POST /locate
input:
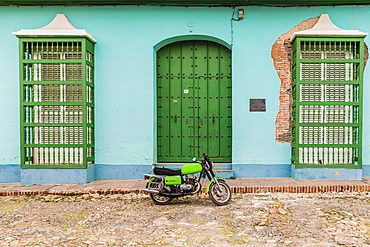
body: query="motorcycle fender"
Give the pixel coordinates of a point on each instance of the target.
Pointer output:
(151, 178)
(149, 183)
(213, 181)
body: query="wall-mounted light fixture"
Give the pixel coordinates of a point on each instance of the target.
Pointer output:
(240, 13)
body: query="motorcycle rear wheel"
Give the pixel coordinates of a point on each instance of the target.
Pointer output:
(220, 198)
(160, 199)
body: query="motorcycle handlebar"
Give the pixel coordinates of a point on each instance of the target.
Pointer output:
(206, 158)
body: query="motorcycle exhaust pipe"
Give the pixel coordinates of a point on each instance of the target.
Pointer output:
(151, 191)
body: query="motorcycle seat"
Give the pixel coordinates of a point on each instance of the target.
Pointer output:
(166, 171)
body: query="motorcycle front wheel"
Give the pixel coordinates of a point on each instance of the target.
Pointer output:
(219, 195)
(160, 199)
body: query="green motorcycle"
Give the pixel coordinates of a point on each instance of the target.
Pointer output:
(167, 184)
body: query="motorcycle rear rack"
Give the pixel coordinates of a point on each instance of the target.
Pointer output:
(148, 176)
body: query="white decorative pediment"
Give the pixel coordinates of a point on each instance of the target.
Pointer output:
(59, 27)
(324, 27)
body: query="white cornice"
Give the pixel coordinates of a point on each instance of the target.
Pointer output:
(59, 27)
(324, 27)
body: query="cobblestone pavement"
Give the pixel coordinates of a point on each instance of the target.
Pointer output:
(265, 219)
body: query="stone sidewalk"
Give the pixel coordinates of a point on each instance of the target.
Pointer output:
(242, 185)
(250, 219)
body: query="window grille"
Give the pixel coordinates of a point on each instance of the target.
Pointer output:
(57, 95)
(326, 108)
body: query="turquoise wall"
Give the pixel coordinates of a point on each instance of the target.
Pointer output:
(125, 82)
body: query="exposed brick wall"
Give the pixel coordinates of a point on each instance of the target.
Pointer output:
(366, 54)
(280, 54)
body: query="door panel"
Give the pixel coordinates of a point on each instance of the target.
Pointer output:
(187, 101)
(194, 101)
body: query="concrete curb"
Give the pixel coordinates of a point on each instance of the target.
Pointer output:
(302, 188)
(234, 189)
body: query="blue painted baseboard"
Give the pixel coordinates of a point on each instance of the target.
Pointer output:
(365, 170)
(57, 176)
(10, 173)
(121, 172)
(261, 170)
(326, 174)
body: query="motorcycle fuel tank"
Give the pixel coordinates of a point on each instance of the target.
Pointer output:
(191, 168)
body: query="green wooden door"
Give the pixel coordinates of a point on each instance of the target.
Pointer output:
(193, 101)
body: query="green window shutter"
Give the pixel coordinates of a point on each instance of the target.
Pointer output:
(57, 103)
(327, 102)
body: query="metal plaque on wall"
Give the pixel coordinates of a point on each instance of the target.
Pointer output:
(257, 104)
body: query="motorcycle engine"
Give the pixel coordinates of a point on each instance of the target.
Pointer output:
(186, 187)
